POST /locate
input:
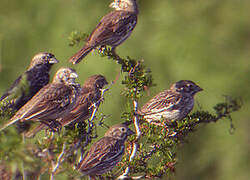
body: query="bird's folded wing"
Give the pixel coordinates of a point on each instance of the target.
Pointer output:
(50, 99)
(124, 19)
(80, 111)
(111, 26)
(164, 100)
(106, 149)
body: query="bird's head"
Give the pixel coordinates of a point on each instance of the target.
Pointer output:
(43, 58)
(186, 87)
(124, 5)
(65, 75)
(119, 131)
(98, 81)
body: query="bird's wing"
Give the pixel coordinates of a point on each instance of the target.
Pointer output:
(126, 19)
(163, 100)
(111, 27)
(19, 88)
(105, 151)
(79, 112)
(51, 99)
(81, 109)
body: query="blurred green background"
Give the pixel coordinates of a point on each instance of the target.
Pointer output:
(204, 41)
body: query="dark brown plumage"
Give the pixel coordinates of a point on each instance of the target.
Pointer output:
(30, 82)
(90, 94)
(106, 152)
(113, 29)
(170, 105)
(52, 101)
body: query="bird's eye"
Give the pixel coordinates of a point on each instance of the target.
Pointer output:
(123, 129)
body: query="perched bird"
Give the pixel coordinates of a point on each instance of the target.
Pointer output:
(112, 30)
(90, 94)
(52, 102)
(106, 152)
(171, 105)
(30, 82)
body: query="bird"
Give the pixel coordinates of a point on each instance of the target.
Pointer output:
(90, 94)
(170, 105)
(113, 29)
(104, 154)
(30, 82)
(51, 102)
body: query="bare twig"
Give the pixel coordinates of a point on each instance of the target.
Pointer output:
(23, 171)
(135, 145)
(58, 162)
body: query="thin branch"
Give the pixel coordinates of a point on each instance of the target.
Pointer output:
(23, 171)
(135, 144)
(58, 162)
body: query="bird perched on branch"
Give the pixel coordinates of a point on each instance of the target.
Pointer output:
(171, 105)
(52, 102)
(30, 82)
(90, 94)
(106, 152)
(112, 30)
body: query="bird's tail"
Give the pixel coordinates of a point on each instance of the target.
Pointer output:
(9, 123)
(80, 54)
(34, 131)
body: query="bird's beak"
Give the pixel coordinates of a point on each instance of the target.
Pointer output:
(130, 132)
(199, 89)
(73, 75)
(53, 61)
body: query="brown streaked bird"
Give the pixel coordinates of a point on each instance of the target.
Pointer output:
(171, 105)
(30, 82)
(113, 29)
(52, 102)
(104, 155)
(90, 94)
